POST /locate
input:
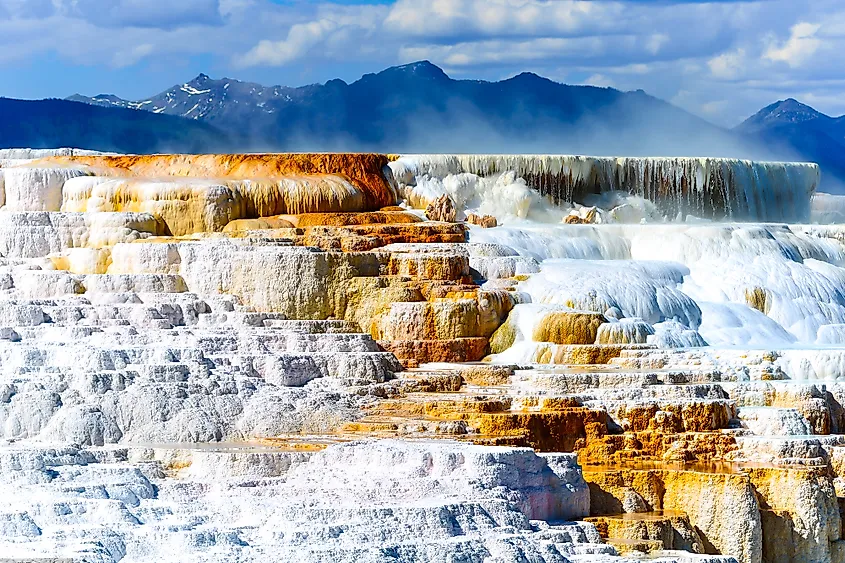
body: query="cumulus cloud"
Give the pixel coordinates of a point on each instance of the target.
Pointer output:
(728, 65)
(300, 40)
(496, 18)
(338, 32)
(800, 46)
(130, 56)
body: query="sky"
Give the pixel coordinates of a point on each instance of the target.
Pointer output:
(720, 60)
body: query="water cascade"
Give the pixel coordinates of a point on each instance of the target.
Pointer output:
(711, 188)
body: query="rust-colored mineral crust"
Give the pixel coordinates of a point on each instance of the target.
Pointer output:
(362, 169)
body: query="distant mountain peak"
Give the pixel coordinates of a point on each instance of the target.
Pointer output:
(109, 97)
(789, 110)
(531, 77)
(419, 69)
(800, 132)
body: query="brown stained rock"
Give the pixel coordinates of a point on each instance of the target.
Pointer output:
(660, 446)
(699, 494)
(487, 375)
(490, 419)
(626, 546)
(367, 298)
(429, 266)
(479, 314)
(558, 403)
(484, 221)
(358, 243)
(569, 328)
(680, 416)
(358, 238)
(453, 408)
(381, 217)
(442, 209)
(434, 382)
(575, 220)
(424, 351)
(672, 530)
(440, 320)
(635, 332)
(546, 431)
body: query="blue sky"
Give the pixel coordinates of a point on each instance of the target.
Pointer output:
(721, 60)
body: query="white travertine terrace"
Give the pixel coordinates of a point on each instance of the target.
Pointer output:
(171, 387)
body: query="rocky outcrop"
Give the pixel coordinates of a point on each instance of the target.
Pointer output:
(442, 209)
(484, 221)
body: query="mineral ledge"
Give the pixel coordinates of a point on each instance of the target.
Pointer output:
(279, 358)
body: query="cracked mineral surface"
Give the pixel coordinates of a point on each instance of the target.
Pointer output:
(281, 358)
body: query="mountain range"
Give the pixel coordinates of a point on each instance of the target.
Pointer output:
(61, 123)
(418, 108)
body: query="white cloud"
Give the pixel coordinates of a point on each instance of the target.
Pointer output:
(132, 55)
(655, 42)
(500, 51)
(301, 38)
(800, 46)
(496, 18)
(728, 65)
(337, 32)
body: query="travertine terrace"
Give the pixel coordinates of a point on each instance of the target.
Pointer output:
(279, 357)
